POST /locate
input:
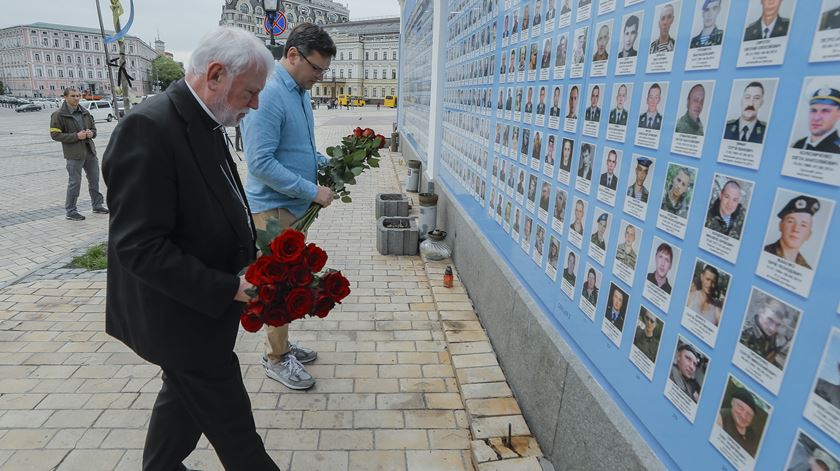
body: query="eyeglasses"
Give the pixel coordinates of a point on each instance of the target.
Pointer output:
(318, 70)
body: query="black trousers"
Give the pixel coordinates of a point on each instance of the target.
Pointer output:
(212, 402)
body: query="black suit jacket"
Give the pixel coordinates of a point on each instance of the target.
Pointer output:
(755, 31)
(613, 183)
(178, 235)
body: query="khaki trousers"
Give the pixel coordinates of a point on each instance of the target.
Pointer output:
(276, 338)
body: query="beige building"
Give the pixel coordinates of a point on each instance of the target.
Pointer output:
(367, 61)
(249, 14)
(41, 59)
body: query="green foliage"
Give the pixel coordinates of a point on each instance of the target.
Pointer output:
(166, 70)
(94, 258)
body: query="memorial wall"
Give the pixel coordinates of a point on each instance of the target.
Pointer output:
(662, 178)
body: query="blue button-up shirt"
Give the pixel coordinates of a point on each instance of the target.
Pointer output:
(279, 140)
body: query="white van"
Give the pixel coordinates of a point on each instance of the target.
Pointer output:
(101, 110)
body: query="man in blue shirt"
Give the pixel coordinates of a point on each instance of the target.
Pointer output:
(282, 169)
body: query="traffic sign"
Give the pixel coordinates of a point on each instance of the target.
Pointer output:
(278, 26)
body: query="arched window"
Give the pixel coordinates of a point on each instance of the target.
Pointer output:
(243, 7)
(57, 59)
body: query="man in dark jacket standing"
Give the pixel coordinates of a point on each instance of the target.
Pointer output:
(180, 232)
(73, 127)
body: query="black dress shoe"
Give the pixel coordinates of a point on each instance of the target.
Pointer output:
(75, 217)
(102, 210)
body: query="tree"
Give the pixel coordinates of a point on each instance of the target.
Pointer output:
(166, 71)
(2, 88)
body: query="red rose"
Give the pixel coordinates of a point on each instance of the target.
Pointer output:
(267, 293)
(323, 306)
(276, 272)
(357, 132)
(299, 302)
(336, 286)
(288, 246)
(276, 315)
(315, 257)
(381, 140)
(250, 322)
(368, 133)
(257, 272)
(300, 275)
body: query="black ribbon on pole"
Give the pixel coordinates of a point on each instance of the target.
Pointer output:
(122, 73)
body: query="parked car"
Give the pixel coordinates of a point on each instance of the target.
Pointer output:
(101, 110)
(28, 107)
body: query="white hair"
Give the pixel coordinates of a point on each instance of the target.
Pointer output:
(235, 48)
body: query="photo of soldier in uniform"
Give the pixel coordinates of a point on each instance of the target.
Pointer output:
(554, 111)
(629, 36)
(688, 370)
(826, 42)
(615, 311)
(662, 40)
(808, 455)
(618, 115)
(814, 146)
(574, 94)
(652, 118)
(740, 424)
(585, 164)
(602, 43)
(823, 405)
(770, 23)
(823, 115)
(638, 190)
(830, 16)
(796, 221)
(729, 200)
(566, 152)
(707, 292)
(559, 208)
(747, 127)
(710, 34)
(560, 55)
(627, 251)
(593, 111)
(690, 122)
(570, 270)
(768, 331)
(599, 233)
(679, 185)
(589, 292)
(580, 212)
(648, 333)
(662, 260)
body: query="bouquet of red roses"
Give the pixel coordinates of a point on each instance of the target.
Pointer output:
(288, 282)
(358, 152)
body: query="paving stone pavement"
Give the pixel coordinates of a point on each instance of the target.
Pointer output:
(387, 395)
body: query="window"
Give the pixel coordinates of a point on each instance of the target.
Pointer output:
(87, 45)
(37, 57)
(90, 74)
(384, 74)
(376, 56)
(131, 49)
(49, 73)
(350, 55)
(88, 61)
(366, 73)
(341, 73)
(341, 90)
(367, 55)
(48, 58)
(45, 42)
(95, 46)
(383, 91)
(349, 90)
(375, 73)
(243, 7)
(39, 72)
(393, 91)
(132, 63)
(341, 56)
(78, 59)
(60, 73)
(76, 43)
(99, 74)
(393, 55)
(374, 92)
(70, 73)
(67, 43)
(393, 74)
(367, 92)
(317, 91)
(55, 42)
(98, 61)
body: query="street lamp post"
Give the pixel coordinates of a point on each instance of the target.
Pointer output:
(270, 7)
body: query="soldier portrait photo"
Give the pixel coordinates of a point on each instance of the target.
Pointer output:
(566, 150)
(638, 191)
(827, 385)
(589, 292)
(616, 309)
(679, 186)
(710, 34)
(570, 270)
(823, 115)
(629, 36)
(627, 251)
(742, 416)
(797, 217)
(728, 203)
(600, 230)
(808, 455)
(560, 205)
(690, 122)
(593, 111)
(830, 16)
(602, 42)
(769, 328)
(651, 118)
(766, 20)
(648, 333)
(688, 369)
(662, 258)
(585, 164)
(618, 114)
(580, 211)
(747, 125)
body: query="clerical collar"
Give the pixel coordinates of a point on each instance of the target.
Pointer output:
(203, 106)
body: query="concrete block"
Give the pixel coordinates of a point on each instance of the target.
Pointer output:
(391, 205)
(401, 240)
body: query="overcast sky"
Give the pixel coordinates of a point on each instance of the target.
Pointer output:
(180, 22)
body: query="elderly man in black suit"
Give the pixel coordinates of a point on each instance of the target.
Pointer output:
(180, 232)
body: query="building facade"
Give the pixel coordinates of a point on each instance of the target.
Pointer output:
(41, 59)
(367, 60)
(249, 14)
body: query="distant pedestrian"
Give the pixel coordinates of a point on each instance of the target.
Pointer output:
(73, 126)
(377, 107)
